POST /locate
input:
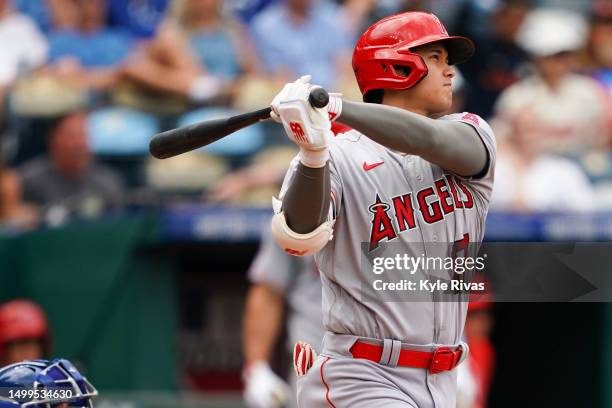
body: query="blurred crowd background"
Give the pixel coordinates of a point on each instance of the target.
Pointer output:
(85, 84)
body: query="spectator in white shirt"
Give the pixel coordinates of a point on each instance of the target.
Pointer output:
(23, 47)
(570, 110)
(529, 179)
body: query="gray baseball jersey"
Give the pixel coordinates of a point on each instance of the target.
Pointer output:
(384, 203)
(300, 281)
(383, 196)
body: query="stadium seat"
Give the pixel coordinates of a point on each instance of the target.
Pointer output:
(119, 131)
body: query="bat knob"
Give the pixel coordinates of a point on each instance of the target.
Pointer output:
(318, 98)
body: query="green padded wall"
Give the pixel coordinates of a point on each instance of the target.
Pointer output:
(112, 304)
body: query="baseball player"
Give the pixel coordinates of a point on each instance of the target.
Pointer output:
(277, 278)
(404, 177)
(24, 332)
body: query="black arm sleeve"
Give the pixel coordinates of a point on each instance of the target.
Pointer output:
(306, 202)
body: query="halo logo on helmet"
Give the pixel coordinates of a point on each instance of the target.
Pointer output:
(383, 59)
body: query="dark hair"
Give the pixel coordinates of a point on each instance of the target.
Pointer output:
(374, 96)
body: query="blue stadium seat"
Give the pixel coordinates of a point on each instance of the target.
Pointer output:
(242, 143)
(119, 131)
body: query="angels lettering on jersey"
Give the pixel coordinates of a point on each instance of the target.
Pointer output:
(449, 193)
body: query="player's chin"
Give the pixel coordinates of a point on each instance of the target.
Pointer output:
(444, 103)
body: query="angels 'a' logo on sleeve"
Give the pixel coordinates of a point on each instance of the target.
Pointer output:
(471, 118)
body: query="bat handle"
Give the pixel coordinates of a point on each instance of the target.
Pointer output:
(318, 98)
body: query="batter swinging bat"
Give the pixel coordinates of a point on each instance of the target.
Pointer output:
(184, 139)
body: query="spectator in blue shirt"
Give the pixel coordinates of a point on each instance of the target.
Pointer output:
(140, 17)
(89, 54)
(198, 53)
(92, 43)
(37, 10)
(246, 10)
(298, 37)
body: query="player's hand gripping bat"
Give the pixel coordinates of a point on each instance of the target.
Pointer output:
(184, 139)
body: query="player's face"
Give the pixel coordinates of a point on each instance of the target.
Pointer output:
(26, 349)
(436, 88)
(433, 95)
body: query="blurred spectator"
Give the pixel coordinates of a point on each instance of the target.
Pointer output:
(140, 17)
(599, 50)
(569, 110)
(15, 215)
(256, 183)
(372, 11)
(498, 60)
(68, 181)
(299, 37)
(49, 14)
(23, 46)
(246, 10)
(86, 52)
(529, 179)
(221, 46)
(24, 332)
(38, 10)
(198, 54)
(63, 14)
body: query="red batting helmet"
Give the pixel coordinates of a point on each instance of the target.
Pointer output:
(22, 319)
(383, 58)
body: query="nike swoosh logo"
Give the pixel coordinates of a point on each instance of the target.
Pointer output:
(368, 167)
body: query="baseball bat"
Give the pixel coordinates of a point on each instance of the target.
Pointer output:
(184, 139)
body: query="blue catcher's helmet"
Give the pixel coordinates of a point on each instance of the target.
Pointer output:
(44, 384)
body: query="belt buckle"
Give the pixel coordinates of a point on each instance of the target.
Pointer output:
(443, 359)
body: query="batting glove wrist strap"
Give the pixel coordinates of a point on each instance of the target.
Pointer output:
(314, 158)
(334, 107)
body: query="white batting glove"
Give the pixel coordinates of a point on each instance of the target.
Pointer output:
(263, 388)
(333, 108)
(308, 127)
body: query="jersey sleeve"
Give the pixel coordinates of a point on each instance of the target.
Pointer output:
(482, 183)
(336, 185)
(336, 192)
(271, 266)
